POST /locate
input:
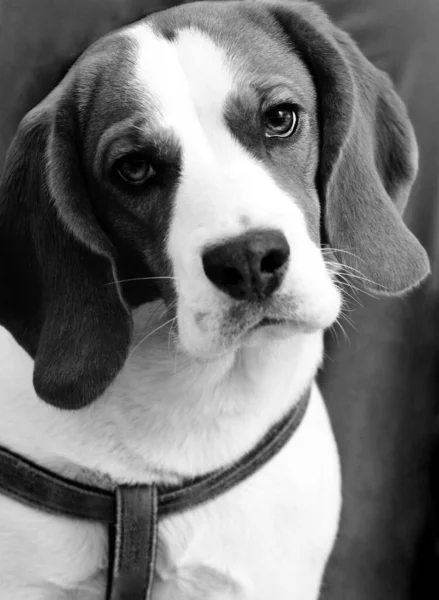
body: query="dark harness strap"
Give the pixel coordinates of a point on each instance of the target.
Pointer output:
(135, 543)
(132, 512)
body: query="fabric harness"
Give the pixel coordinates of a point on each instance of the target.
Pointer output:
(132, 513)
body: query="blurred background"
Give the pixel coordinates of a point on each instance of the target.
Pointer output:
(381, 381)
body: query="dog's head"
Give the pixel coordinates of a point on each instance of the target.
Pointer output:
(203, 153)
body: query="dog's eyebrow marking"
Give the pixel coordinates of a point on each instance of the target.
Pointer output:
(108, 137)
(128, 135)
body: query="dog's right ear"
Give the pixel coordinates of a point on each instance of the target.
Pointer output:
(368, 153)
(56, 262)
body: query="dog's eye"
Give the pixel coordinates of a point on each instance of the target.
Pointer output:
(134, 169)
(280, 120)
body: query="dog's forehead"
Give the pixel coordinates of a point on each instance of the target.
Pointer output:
(198, 54)
(246, 35)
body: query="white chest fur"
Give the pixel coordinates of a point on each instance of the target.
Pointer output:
(268, 538)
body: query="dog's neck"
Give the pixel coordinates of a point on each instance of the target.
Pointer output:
(164, 417)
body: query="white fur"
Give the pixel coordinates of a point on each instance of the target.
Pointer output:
(173, 412)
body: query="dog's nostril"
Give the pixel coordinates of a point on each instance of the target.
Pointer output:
(249, 267)
(274, 260)
(223, 276)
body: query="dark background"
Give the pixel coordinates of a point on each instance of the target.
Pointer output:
(381, 385)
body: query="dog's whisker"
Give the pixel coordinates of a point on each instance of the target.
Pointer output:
(344, 279)
(342, 270)
(361, 291)
(327, 356)
(347, 283)
(151, 317)
(365, 279)
(358, 274)
(348, 310)
(344, 315)
(172, 347)
(150, 334)
(354, 298)
(172, 305)
(334, 332)
(342, 288)
(140, 279)
(330, 249)
(345, 335)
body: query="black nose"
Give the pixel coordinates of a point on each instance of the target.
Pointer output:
(248, 267)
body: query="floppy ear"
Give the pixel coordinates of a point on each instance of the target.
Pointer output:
(368, 158)
(56, 262)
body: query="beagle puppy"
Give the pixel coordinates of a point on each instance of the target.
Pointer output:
(172, 219)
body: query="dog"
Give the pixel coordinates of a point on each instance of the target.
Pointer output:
(174, 219)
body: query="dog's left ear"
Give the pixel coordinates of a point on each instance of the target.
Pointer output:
(368, 157)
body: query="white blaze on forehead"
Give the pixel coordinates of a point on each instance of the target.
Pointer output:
(187, 79)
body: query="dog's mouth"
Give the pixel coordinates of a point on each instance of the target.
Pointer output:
(280, 326)
(268, 321)
(276, 319)
(271, 322)
(277, 327)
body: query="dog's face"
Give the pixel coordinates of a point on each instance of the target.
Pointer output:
(202, 153)
(211, 170)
